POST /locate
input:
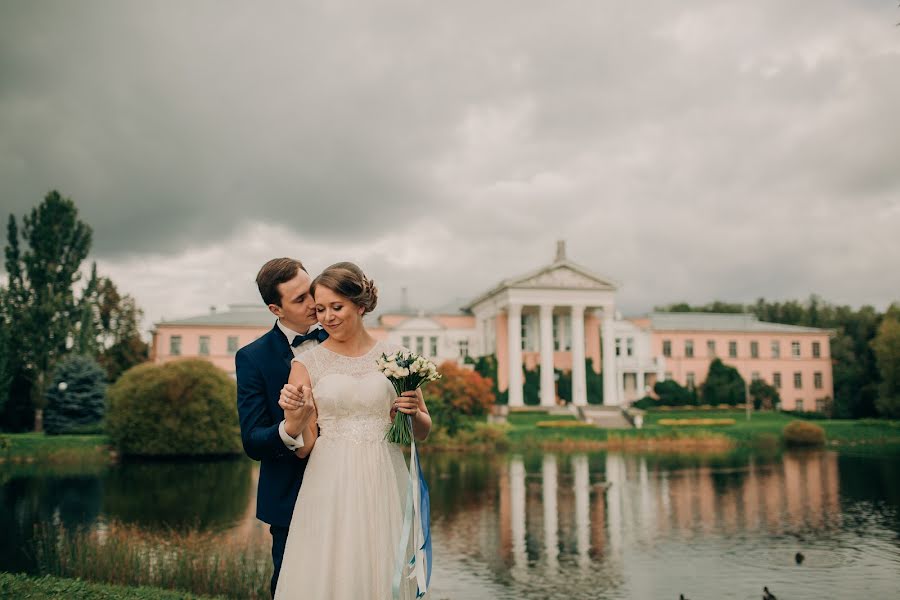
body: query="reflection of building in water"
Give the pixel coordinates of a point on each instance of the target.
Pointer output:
(555, 510)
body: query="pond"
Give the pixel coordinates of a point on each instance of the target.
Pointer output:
(550, 525)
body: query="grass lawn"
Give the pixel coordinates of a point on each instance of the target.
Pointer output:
(45, 588)
(15, 447)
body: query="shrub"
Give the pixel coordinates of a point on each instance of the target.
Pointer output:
(459, 392)
(670, 393)
(645, 403)
(723, 385)
(802, 433)
(76, 399)
(181, 408)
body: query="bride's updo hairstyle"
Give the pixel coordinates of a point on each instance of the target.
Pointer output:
(348, 280)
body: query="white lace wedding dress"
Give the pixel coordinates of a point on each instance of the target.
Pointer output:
(348, 518)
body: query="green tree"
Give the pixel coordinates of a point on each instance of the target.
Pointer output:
(6, 353)
(76, 400)
(764, 396)
(109, 327)
(887, 352)
(723, 385)
(670, 393)
(40, 298)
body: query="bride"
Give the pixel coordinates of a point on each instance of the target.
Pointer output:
(347, 522)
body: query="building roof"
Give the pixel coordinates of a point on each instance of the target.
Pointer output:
(562, 273)
(695, 321)
(237, 315)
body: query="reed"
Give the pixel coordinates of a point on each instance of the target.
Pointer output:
(198, 562)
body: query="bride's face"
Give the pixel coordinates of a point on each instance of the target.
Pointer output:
(339, 316)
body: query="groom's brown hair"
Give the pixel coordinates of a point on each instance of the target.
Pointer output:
(274, 273)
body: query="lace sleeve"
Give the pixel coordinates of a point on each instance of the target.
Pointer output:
(310, 360)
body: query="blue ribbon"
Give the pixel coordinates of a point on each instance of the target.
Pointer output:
(418, 501)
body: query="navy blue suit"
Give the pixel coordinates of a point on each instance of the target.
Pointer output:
(262, 368)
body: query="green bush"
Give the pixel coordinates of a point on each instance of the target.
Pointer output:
(76, 399)
(803, 433)
(57, 588)
(181, 408)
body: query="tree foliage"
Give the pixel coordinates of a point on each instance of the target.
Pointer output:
(887, 354)
(670, 393)
(723, 385)
(458, 392)
(43, 319)
(764, 396)
(76, 398)
(181, 408)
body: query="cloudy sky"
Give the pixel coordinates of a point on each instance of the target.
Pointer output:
(692, 150)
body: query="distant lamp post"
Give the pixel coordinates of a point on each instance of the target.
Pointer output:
(63, 386)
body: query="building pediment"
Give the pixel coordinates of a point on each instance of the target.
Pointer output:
(418, 324)
(564, 276)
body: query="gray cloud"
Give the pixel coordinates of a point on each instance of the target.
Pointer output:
(694, 150)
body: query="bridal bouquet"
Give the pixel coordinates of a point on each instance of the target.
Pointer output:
(406, 372)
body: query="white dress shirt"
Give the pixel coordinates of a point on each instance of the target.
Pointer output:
(297, 442)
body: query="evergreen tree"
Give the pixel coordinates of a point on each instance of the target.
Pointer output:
(40, 303)
(670, 393)
(723, 385)
(764, 396)
(76, 399)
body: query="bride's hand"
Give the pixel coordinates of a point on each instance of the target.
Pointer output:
(301, 411)
(289, 399)
(407, 402)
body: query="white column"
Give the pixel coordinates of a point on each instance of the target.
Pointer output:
(579, 376)
(639, 383)
(610, 378)
(517, 511)
(514, 333)
(551, 512)
(582, 486)
(548, 389)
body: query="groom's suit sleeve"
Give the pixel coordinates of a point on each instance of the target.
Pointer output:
(259, 434)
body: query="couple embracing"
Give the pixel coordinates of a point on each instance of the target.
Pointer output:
(314, 409)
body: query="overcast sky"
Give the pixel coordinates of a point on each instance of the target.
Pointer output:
(693, 150)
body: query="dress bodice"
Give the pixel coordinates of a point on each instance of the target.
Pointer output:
(353, 397)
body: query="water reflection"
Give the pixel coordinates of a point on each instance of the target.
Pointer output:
(584, 525)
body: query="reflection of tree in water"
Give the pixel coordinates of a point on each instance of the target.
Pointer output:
(872, 482)
(458, 482)
(160, 495)
(36, 499)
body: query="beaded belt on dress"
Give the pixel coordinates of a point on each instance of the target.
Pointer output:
(355, 429)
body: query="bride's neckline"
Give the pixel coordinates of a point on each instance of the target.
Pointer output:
(363, 355)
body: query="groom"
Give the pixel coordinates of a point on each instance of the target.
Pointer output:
(262, 368)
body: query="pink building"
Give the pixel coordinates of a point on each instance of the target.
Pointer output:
(558, 316)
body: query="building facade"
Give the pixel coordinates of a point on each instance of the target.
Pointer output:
(561, 317)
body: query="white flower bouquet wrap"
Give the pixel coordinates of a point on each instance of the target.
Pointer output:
(406, 372)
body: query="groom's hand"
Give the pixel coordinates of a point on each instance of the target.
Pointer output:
(300, 412)
(289, 399)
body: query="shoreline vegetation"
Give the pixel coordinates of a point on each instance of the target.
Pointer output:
(663, 431)
(20, 585)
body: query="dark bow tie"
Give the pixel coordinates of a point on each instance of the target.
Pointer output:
(318, 334)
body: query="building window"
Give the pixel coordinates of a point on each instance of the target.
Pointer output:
(821, 405)
(667, 347)
(567, 328)
(232, 344)
(690, 380)
(795, 349)
(776, 349)
(798, 380)
(817, 380)
(463, 349)
(817, 350)
(433, 343)
(798, 405)
(629, 346)
(420, 345)
(732, 349)
(668, 375)
(204, 345)
(776, 380)
(618, 346)
(689, 348)
(405, 341)
(754, 376)
(754, 349)
(175, 345)
(710, 348)
(525, 332)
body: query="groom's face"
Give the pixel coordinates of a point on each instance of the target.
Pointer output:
(298, 309)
